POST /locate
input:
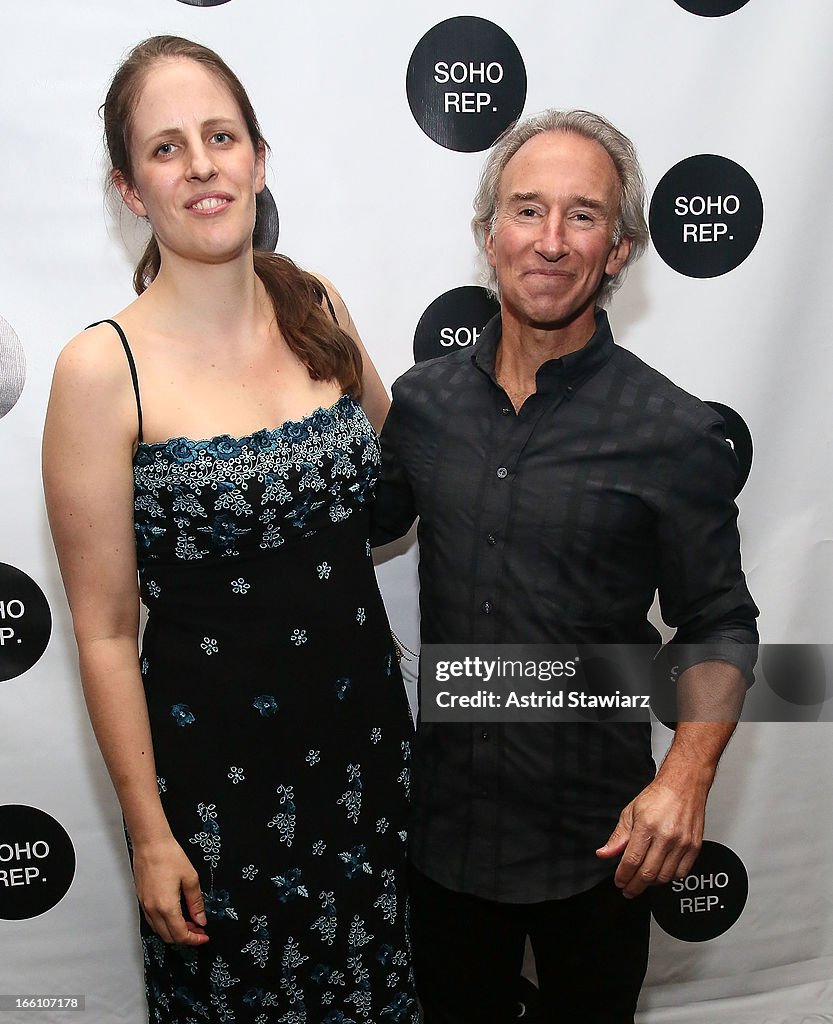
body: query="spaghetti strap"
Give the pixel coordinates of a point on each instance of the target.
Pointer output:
(132, 364)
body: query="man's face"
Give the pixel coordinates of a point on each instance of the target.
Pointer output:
(558, 200)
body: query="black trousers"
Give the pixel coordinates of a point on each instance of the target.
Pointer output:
(591, 954)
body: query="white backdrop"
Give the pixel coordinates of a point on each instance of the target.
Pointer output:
(366, 198)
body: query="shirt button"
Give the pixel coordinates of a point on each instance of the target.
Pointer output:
(486, 607)
(491, 540)
(485, 734)
(502, 472)
(569, 389)
(505, 410)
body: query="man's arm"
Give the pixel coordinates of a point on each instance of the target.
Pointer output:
(703, 593)
(660, 832)
(394, 510)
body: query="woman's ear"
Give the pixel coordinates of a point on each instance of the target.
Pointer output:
(260, 167)
(130, 195)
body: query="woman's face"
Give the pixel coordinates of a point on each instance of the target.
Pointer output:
(195, 171)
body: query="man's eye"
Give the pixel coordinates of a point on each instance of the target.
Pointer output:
(221, 137)
(165, 149)
(527, 211)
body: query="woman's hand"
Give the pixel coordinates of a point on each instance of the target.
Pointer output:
(165, 880)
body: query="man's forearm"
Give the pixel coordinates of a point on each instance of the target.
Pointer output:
(709, 701)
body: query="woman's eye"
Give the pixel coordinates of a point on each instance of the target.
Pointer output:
(221, 137)
(165, 149)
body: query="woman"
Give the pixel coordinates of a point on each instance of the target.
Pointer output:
(259, 743)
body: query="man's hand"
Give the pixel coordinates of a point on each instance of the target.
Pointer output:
(658, 834)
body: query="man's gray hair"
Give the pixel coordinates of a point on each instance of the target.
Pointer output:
(630, 222)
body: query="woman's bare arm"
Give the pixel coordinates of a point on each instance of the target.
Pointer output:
(88, 445)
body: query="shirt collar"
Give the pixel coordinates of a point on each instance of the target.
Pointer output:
(573, 368)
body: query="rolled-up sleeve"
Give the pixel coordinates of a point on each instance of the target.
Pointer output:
(702, 589)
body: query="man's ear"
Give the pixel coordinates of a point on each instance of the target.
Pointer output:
(618, 257)
(130, 195)
(489, 245)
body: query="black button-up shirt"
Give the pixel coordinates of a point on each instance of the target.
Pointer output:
(555, 525)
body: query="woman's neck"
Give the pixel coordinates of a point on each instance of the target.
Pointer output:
(221, 301)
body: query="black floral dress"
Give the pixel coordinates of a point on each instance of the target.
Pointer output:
(280, 726)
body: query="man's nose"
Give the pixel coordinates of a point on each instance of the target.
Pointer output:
(552, 240)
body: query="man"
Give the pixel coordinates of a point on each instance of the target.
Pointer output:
(560, 482)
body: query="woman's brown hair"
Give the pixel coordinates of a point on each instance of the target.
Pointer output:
(328, 352)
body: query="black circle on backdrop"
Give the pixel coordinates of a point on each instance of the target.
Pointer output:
(37, 862)
(708, 901)
(796, 673)
(706, 216)
(203, 3)
(453, 321)
(739, 437)
(12, 367)
(267, 223)
(711, 8)
(25, 622)
(466, 83)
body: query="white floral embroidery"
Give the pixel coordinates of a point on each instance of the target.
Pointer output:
(375, 734)
(236, 775)
(209, 645)
(240, 586)
(153, 588)
(352, 797)
(284, 820)
(360, 616)
(313, 757)
(209, 839)
(324, 570)
(299, 636)
(258, 947)
(249, 872)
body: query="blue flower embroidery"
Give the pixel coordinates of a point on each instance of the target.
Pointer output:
(289, 886)
(354, 861)
(399, 1009)
(181, 449)
(183, 715)
(322, 419)
(146, 533)
(343, 687)
(296, 431)
(225, 447)
(217, 905)
(266, 705)
(261, 441)
(224, 531)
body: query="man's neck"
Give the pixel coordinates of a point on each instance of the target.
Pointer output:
(524, 348)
